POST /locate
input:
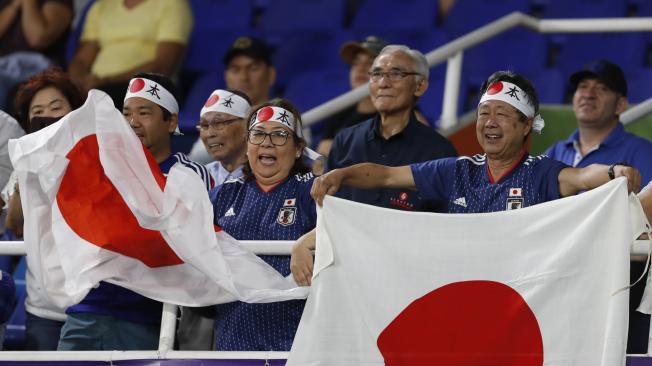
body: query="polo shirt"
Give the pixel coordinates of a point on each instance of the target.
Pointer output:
(220, 174)
(364, 143)
(619, 146)
(465, 185)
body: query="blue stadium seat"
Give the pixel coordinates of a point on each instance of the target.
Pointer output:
(206, 47)
(312, 88)
(234, 15)
(583, 8)
(639, 85)
(625, 49)
(200, 91)
(15, 333)
(519, 50)
(291, 16)
(467, 15)
(550, 85)
(308, 51)
(431, 102)
(75, 33)
(381, 16)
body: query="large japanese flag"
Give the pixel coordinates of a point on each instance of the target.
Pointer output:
(530, 287)
(98, 208)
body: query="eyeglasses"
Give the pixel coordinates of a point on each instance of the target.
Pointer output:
(278, 138)
(392, 75)
(216, 125)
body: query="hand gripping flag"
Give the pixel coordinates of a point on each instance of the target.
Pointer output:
(97, 208)
(537, 286)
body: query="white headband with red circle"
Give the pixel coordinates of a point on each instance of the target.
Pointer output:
(517, 98)
(276, 114)
(226, 102)
(286, 118)
(155, 93)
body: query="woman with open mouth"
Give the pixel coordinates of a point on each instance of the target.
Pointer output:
(270, 202)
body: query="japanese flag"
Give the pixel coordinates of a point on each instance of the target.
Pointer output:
(396, 288)
(98, 208)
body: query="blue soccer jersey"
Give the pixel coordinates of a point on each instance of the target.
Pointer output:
(247, 212)
(113, 300)
(465, 185)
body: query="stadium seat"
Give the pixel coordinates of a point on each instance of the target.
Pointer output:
(234, 15)
(639, 84)
(550, 85)
(291, 16)
(382, 16)
(468, 15)
(582, 8)
(312, 88)
(625, 49)
(75, 33)
(201, 89)
(431, 102)
(519, 50)
(308, 51)
(15, 333)
(206, 47)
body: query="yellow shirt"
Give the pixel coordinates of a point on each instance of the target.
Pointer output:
(129, 37)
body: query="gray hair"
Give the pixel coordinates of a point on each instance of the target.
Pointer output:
(419, 60)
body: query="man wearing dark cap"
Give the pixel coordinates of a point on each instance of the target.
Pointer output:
(360, 55)
(249, 68)
(599, 99)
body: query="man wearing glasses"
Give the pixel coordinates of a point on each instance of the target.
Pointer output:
(223, 130)
(394, 137)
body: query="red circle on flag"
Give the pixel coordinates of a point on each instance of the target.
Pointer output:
(495, 88)
(464, 324)
(212, 100)
(514, 191)
(94, 209)
(265, 113)
(137, 85)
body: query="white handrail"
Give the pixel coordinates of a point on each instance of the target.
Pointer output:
(479, 35)
(639, 250)
(136, 355)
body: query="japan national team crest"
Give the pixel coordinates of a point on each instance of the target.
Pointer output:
(515, 199)
(287, 213)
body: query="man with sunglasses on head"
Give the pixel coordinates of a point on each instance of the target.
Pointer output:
(394, 137)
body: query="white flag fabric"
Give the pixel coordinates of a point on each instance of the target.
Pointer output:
(536, 286)
(98, 208)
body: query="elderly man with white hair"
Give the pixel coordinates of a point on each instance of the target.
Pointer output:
(223, 130)
(394, 137)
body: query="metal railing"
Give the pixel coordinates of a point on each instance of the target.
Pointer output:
(452, 52)
(639, 251)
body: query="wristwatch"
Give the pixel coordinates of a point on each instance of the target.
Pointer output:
(611, 172)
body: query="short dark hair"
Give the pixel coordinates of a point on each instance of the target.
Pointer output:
(53, 77)
(166, 82)
(299, 167)
(518, 80)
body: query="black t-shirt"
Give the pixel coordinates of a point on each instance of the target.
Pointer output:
(13, 39)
